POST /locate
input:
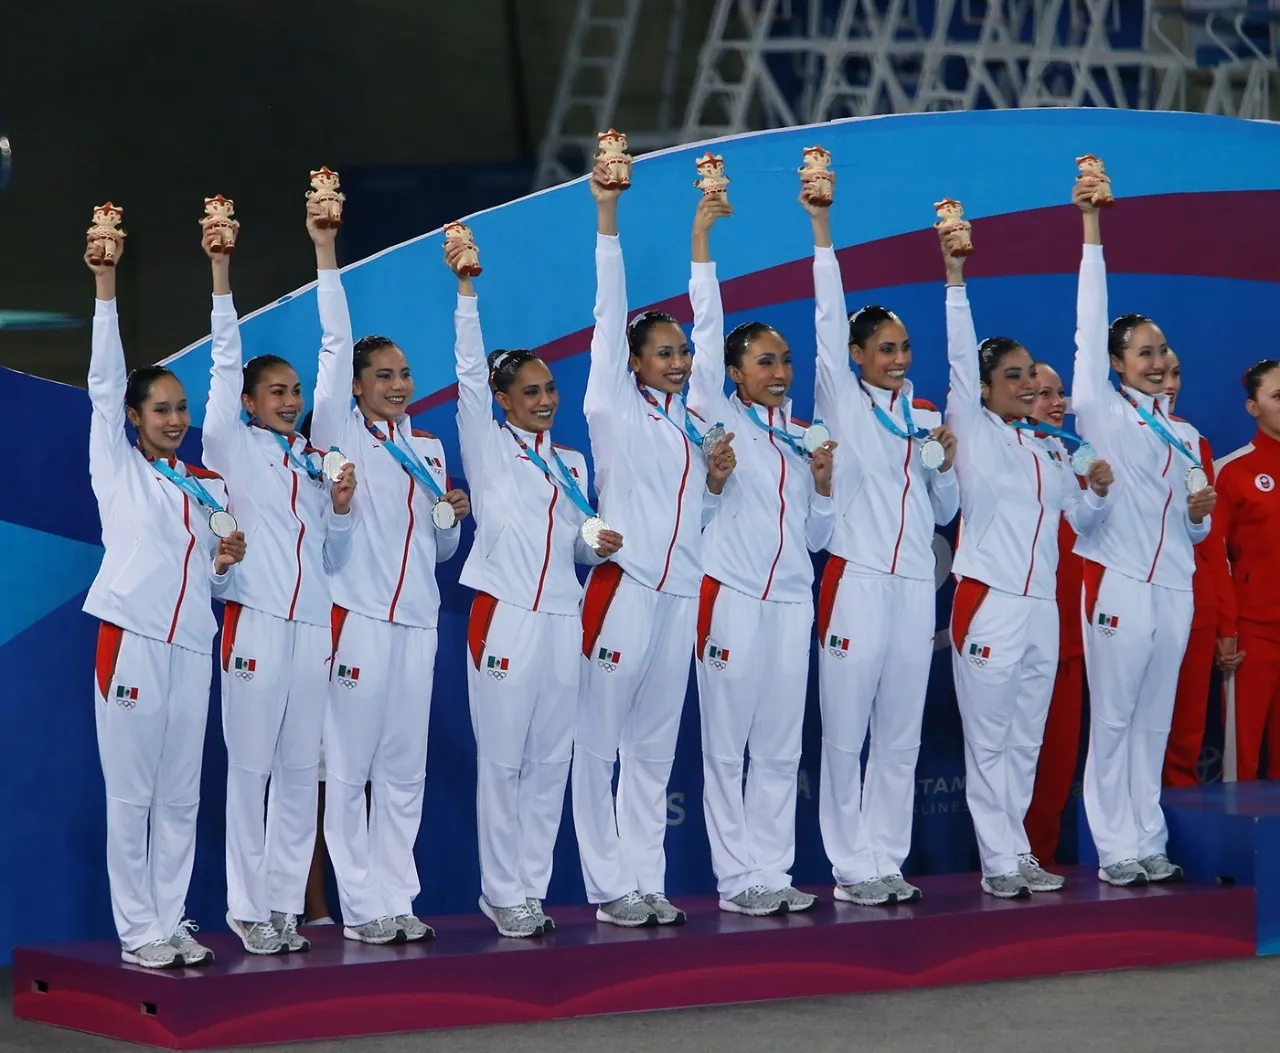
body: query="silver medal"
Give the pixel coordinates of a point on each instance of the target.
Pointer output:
(332, 464)
(1197, 480)
(591, 531)
(932, 454)
(814, 436)
(222, 523)
(713, 435)
(1083, 459)
(443, 515)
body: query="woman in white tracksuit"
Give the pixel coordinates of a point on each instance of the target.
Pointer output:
(386, 602)
(163, 560)
(276, 638)
(1137, 600)
(876, 605)
(755, 612)
(524, 637)
(657, 484)
(1015, 483)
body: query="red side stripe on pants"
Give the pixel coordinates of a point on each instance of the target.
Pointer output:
(104, 662)
(969, 596)
(1092, 586)
(831, 575)
(230, 622)
(706, 604)
(482, 611)
(602, 586)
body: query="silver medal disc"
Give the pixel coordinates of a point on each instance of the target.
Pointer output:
(1082, 460)
(332, 465)
(814, 436)
(713, 435)
(932, 454)
(591, 530)
(443, 515)
(222, 523)
(1197, 480)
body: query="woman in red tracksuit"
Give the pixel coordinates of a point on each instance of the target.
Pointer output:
(1248, 518)
(1212, 637)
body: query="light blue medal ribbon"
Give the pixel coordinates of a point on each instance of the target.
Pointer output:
(713, 435)
(408, 459)
(304, 463)
(1081, 459)
(1197, 478)
(221, 522)
(797, 446)
(932, 453)
(563, 479)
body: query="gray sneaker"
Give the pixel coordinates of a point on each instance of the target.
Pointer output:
(668, 913)
(517, 922)
(873, 893)
(287, 926)
(535, 905)
(902, 889)
(413, 927)
(1039, 879)
(191, 952)
(757, 901)
(158, 954)
(1124, 874)
(258, 937)
(1007, 886)
(380, 930)
(1159, 868)
(630, 911)
(796, 900)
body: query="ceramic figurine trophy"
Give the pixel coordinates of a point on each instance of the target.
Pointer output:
(815, 175)
(611, 148)
(1094, 173)
(105, 235)
(324, 189)
(469, 261)
(711, 169)
(218, 213)
(953, 227)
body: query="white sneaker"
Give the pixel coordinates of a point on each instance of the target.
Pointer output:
(1007, 886)
(1159, 868)
(629, 911)
(1039, 879)
(191, 952)
(535, 905)
(797, 901)
(517, 922)
(413, 927)
(668, 913)
(158, 954)
(757, 902)
(872, 893)
(258, 937)
(902, 889)
(287, 926)
(1125, 874)
(380, 930)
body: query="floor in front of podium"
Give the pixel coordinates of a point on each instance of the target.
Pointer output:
(1204, 1008)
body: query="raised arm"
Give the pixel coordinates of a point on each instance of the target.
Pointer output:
(836, 392)
(223, 434)
(476, 428)
(964, 399)
(1091, 375)
(609, 377)
(706, 384)
(108, 445)
(332, 404)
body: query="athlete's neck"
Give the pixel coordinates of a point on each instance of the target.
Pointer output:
(154, 453)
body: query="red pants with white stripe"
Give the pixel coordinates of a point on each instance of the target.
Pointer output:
(1186, 733)
(753, 656)
(1058, 757)
(636, 646)
(1258, 703)
(522, 681)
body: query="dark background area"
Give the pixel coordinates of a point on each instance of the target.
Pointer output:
(430, 109)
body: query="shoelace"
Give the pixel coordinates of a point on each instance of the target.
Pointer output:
(290, 926)
(264, 931)
(759, 890)
(634, 899)
(522, 912)
(656, 897)
(1030, 861)
(185, 928)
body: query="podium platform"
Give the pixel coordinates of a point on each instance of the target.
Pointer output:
(470, 976)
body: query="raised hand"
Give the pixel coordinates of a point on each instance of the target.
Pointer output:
(806, 187)
(600, 176)
(326, 236)
(711, 208)
(343, 490)
(821, 464)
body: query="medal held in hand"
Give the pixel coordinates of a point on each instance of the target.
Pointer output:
(324, 189)
(933, 455)
(1197, 479)
(443, 515)
(218, 211)
(1083, 459)
(611, 148)
(332, 464)
(222, 523)
(713, 435)
(814, 437)
(815, 176)
(105, 235)
(591, 531)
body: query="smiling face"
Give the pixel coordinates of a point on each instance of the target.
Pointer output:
(531, 401)
(1144, 363)
(1010, 391)
(1173, 378)
(886, 356)
(663, 362)
(163, 419)
(276, 400)
(763, 372)
(1050, 405)
(383, 390)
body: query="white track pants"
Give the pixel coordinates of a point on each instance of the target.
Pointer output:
(636, 644)
(375, 730)
(873, 672)
(753, 660)
(1135, 634)
(152, 704)
(275, 679)
(522, 682)
(1004, 658)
